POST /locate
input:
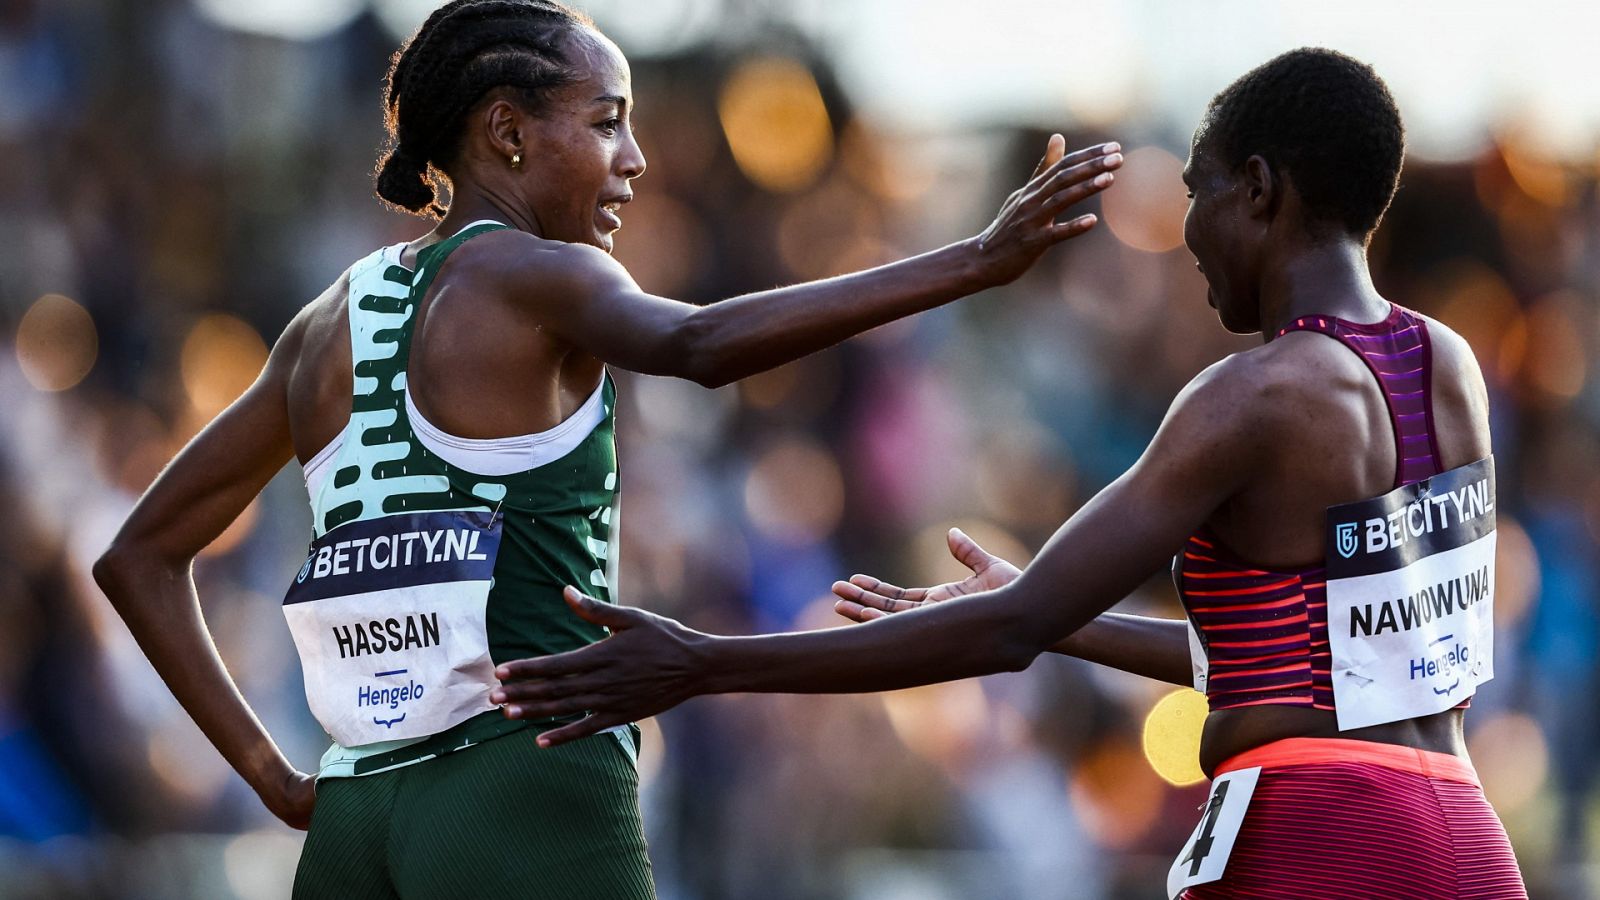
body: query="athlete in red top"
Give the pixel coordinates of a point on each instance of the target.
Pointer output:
(1290, 172)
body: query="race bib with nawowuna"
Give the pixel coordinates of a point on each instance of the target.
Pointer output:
(388, 618)
(1411, 597)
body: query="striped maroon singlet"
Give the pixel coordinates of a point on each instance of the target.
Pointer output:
(1266, 630)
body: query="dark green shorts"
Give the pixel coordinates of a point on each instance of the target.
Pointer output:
(500, 819)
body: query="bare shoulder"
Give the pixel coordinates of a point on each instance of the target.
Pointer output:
(1460, 397)
(318, 325)
(511, 261)
(1453, 358)
(1251, 386)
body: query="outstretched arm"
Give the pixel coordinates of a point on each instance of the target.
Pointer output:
(582, 295)
(1204, 452)
(147, 575)
(1143, 645)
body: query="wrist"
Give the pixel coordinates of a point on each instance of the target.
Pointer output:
(973, 271)
(710, 668)
(267, 772)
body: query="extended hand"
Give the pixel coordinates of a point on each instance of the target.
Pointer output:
(864, 598)
(1026, 226)
(648, 665)
(293, 799)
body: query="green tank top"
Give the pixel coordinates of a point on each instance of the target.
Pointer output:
(556, 519)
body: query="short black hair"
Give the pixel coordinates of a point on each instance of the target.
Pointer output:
(465, 49)
(1325, 118)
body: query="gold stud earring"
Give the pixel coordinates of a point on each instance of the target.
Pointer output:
(516, 160)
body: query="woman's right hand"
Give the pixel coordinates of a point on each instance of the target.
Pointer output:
(292, 799)
(1026, 226)
(864, 598)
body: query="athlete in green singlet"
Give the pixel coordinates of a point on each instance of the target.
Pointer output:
(450, 403)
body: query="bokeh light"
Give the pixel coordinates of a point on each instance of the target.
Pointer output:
(222, 355)
(1559, 367)
(300, 20)
(1509, 751)
(794, 492)
(56, 343)
(1146, 206)
(1116, 794)
(776, 123)
(1172, 736)
(663, 243)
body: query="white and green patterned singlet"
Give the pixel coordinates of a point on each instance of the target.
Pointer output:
(422, 576)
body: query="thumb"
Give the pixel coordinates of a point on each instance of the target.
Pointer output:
(968, 553)
(592, 610)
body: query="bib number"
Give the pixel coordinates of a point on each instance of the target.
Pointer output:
(1205, 854)
(1411, 597)
(388, 616)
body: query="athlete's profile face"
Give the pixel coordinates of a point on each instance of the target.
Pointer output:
(582, 155)
(1211, 232)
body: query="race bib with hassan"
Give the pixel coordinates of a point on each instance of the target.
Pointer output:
(388, 617)
(1411, 597)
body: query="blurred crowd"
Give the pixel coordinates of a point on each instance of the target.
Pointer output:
(174, 192)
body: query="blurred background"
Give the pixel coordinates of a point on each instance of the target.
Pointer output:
(182, 175)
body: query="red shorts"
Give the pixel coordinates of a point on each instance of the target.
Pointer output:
(1334, 818)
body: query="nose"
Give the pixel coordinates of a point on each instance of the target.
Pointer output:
(630, 161)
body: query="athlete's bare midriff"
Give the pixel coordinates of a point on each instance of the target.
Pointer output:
(1338, 449)
(1230, 732)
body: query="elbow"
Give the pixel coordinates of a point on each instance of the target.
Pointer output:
(697, 351)
(1017, 644)
(111, 570)
(122, 566)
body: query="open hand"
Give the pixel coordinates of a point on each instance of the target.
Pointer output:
(1026, 226)
(648, 665)
(864, 598)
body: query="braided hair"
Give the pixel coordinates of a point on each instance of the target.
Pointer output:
(1328, 120)
(465, 49)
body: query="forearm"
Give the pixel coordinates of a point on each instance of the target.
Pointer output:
(977, 635)
(1154, 648)
(158, 603)
(751, 333)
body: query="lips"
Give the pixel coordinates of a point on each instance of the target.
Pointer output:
(609, 210)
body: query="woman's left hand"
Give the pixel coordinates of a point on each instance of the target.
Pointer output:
(647, 665)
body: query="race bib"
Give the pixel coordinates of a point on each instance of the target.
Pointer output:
(1411, 597)
(1205, 854)
(388, 618)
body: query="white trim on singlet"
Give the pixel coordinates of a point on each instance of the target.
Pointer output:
(480, 456)
(484, 456)
(509, 455)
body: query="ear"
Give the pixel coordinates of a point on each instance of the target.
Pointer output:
(1263, 185)
(503, 127)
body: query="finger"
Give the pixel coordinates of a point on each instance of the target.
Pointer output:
(572, 662)
(1071, 228)
(1078, 158)
(539, 690)
(882, 602)
(885, 589)
(1095, 172)
(968, 553)
(850, 610)
(561, 706)
(591, 610)
(1078, 193)
(580, 729)
(1054, 149)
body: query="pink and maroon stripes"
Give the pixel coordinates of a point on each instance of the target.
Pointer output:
(1266, 630)
(1355, 830)
(1399, 355)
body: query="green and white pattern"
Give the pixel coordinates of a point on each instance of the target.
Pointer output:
(557, 518)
